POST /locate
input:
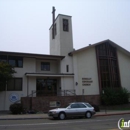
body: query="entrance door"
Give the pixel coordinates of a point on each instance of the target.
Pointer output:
(46, 87)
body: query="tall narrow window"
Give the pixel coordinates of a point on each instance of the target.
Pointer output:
(52, 33)
(55, 31)
(65, 25)
(67, 68)
(107, 65)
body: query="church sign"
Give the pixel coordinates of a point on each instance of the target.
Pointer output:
(86, 81)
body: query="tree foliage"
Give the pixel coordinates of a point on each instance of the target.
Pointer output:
(6, 73)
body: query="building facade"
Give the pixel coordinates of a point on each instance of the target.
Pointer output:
(85, 71)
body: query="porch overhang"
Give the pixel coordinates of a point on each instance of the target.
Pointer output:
(49, 75)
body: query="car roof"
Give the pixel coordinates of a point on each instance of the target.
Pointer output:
(78, 102)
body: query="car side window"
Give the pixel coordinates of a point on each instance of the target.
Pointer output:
(88, 105)
(74, 106)
(82, 106)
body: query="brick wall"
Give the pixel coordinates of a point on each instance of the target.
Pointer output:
(43, 103)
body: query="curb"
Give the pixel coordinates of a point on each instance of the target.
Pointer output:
(110, 114)
(24, 118)
(32, 118)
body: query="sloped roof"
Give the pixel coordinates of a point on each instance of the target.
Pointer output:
(95, 44)
(33, 55)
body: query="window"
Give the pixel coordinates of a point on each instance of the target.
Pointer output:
(3, 58)
(2, 86)
(82, 106)
(67, 68)
(55, 31)
(52, 33)
(16, 61)
(88, 105)
(65, 25)
(78, 105)
(14, 84)
(74, 106)
(45, 66)
(107, 65)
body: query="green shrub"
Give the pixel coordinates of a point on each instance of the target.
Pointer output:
(112, 96)
(16, 108)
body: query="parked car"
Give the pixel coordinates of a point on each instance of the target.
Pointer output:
(76, 109)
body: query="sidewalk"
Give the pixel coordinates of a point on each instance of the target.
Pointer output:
(8, 116)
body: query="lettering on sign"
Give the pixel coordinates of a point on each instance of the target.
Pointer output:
(86, 81)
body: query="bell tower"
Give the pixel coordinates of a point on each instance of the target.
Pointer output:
(61, 39)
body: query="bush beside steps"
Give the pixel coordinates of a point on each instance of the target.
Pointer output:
(16, 108)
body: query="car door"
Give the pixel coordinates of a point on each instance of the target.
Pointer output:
(71, 111)
(81, 110)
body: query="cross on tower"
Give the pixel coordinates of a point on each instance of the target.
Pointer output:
(53, 20)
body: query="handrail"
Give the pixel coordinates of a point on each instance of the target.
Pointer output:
(56, 93)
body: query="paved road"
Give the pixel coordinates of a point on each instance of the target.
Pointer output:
(95, 123)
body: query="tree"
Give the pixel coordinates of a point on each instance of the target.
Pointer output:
(6, 73)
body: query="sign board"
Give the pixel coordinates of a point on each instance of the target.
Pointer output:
(54, 104)
(13, 97)
(87, 81)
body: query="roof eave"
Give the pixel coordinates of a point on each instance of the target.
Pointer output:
(93, 45)
(32, 55)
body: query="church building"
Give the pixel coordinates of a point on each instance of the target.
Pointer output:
(86, 71)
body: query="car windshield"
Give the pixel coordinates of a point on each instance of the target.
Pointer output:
(88, 104)
(67, 106)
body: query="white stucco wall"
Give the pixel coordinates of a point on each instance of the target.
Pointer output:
(124, 67)
(31, 85)
(55, 43)
(29, 65)
(8, 94)
(54, 66)
(85, 66)
(66, 38)
(62, 45)
(67, 83)
(64, 62)
(63, 42)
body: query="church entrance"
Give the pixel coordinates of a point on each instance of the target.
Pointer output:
(46, 87)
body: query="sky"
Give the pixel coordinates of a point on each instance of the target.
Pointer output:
(24, 24)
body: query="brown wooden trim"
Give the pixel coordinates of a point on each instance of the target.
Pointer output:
(112, 66)
(119, 76)
(98, 69)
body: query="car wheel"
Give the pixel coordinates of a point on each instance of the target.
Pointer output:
(88, 115)
(62, 116)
